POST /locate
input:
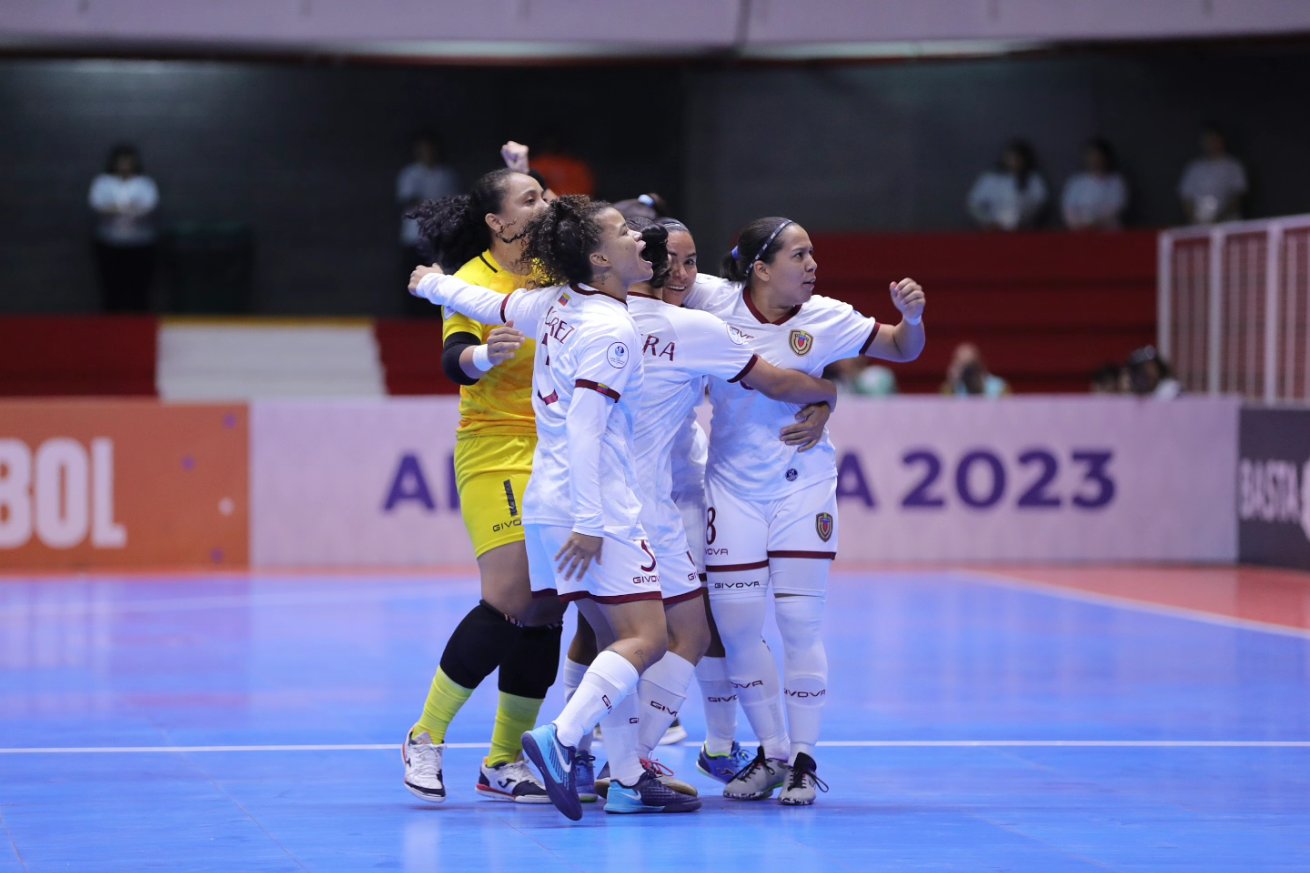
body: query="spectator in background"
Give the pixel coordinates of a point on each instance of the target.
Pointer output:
(1012, 195)
(861, 377)
(1095, 198)
(1149, 375)
(426, 178)
(566, 173)
(1108, 379)
(1214, 184)
(649, 206)
(967, 375)
(126, 242)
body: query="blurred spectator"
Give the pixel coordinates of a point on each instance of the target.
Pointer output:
(1149, 375)
(566, 173)
(1213, 185)
(1012, 195)
(124, 200)
(860, 376)
(1095, 198)
(967, 375)
(1109, 379)
(427, 177)
(649, 206)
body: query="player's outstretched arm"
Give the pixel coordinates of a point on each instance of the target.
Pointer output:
(906, 340)
(789, 386)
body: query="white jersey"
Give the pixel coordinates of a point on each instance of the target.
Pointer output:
(586, 381)
(678, 348)
(746, 453)
(691, 451)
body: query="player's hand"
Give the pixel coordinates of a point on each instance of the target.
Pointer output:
(908, 298)
(515, 155)
(504, 343)
(808, 429)
(418, 274)
(575, 558)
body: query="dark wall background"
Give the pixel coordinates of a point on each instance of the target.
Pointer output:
(897, 146)
(307, 154)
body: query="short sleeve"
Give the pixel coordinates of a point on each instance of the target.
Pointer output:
(711, 347)
(606, 361)
(846, 332)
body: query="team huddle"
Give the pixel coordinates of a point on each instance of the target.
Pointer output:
(583, 343)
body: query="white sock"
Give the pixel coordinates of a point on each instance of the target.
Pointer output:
(662, 690)
(608, 680)
(751, 668)
(573, 673)
(800, 620)
(720, 704)
(621, 727)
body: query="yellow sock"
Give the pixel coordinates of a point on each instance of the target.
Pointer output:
(445, 698)
(514, 716)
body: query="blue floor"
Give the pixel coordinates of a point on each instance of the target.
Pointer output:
(252, 724)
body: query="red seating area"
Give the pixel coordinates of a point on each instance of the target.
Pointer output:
(78, 356)
(411, 356)
(1045, 309)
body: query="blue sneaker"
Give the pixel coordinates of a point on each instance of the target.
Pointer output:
(723, 767)
(584, 765)
(648, 795)
(555, 761)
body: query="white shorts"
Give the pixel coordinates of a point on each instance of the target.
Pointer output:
(743, 534)
(627, 569)
(679, 579)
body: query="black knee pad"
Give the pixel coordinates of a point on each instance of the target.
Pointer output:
(479, 644)
(529, 670)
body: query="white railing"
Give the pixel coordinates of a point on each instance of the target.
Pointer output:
(1234, 306)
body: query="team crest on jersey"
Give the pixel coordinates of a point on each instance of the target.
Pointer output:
(617, 355)
(801, 342)
(823, 524)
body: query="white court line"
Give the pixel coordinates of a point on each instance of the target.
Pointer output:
(989, 578)
(836, 744)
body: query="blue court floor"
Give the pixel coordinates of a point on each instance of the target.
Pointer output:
(247, 723)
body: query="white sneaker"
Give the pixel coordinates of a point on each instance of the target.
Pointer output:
(512, 781)
(802, 782)
(423, 767)
(757, 779)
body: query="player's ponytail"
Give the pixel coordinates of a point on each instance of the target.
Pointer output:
(757, 242)
(453, 230)
(561, 240)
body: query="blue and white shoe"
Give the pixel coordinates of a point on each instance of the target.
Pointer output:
(648, 795)
(555, 761)
(723, 767)
(584, 765)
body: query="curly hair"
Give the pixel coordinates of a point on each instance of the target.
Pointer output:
(656, 237)
(758, 241)
(561, 240)
(452, 229)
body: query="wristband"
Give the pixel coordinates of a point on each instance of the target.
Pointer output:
(482, 358)
(914, 321)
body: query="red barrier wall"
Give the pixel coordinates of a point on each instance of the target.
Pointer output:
(1045, 309)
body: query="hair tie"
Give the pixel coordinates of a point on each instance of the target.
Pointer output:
(647, 200)
(736, 255)
(768, 242)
